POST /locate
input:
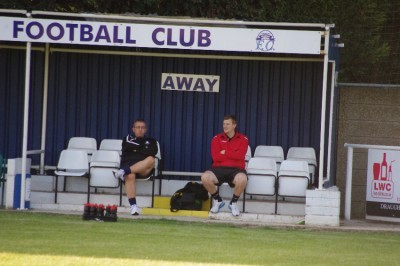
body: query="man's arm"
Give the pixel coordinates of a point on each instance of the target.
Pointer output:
(216, 151)
(150, 149)
(240, 153)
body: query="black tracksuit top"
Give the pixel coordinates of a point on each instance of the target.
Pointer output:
(137, 149)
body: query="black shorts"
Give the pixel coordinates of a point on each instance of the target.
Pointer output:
(226, 174)
(129, 163)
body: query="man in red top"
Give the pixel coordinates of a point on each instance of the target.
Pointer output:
(228, 150)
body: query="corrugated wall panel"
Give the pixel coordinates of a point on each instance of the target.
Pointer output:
(12, 82)
(277, 103)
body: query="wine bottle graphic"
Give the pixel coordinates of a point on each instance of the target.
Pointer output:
(390, 171)
(384, 168)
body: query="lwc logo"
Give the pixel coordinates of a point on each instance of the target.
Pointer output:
(382, 184)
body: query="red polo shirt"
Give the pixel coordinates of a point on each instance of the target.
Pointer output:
(235, 150)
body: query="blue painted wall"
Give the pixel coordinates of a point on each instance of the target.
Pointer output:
(12, 82)
(277, 103)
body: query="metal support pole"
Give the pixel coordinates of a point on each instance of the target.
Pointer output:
(323, 110)
(26, 120)
(44, 112)
(328, 171)
(349, 180)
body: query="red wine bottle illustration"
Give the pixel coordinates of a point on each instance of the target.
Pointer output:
(384, 168)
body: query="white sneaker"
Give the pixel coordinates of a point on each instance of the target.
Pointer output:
(217, 205)
(135, 210)
(234, 209)
(119, 174)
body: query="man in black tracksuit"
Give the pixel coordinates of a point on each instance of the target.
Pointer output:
(137, 160)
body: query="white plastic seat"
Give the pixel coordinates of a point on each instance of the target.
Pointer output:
(247, 156)
(89, 145)
(111, 145)
(103, 162)
(157, 162)
(156, 170)
(261, 174)
(71, 163)
(272, 152)
(156, 174)
(304, 154)
(293, 180)
(101, 166)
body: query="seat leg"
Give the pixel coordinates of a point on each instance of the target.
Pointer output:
(276, 195)
(2, 192)
(88, 192)
(55, 190)
(120, 193)
(159, 188)
(65, 183)
(244, 201)
(152, 192)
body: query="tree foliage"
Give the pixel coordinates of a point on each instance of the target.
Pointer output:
(365, 58)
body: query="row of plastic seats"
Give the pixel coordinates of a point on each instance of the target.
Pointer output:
(294, 154)
(72, 161)
(90, 144)
(81, 158)
(291, 180)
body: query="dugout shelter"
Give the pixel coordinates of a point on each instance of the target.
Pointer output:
(66, 75)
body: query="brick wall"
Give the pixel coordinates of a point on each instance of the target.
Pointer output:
(366, 116)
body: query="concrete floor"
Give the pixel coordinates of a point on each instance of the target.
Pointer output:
(259, 211)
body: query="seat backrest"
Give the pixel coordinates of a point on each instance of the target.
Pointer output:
(303, 153)
(156, 164)
(83, 143)
(102, 164)
(158, 155)
(261, 165)
(73, 160)
(261, 174)
(158, 159)
(111, 145)
(294, 168)
(274, 152)
(105, 158)
(248, 154)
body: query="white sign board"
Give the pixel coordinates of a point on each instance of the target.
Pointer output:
(383, 183)
(160, 36)
(186, 82)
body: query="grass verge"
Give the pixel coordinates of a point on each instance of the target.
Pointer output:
(49, 239)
